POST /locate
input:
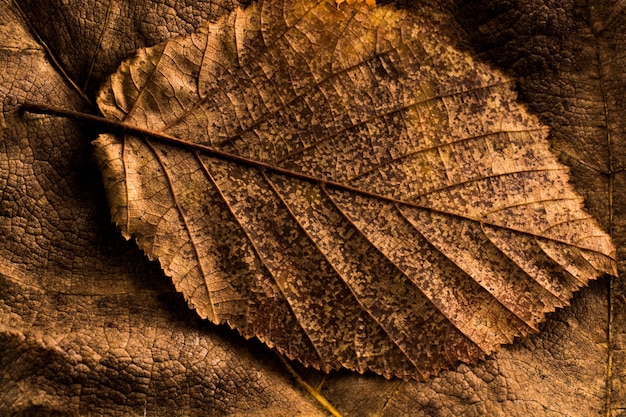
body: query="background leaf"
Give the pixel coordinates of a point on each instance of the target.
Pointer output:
(108, 32)
(87, 325)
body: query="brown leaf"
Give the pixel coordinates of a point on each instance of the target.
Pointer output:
(560, 371)
(390, 208)
(56, 238)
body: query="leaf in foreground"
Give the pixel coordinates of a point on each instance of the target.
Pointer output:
(390, 207)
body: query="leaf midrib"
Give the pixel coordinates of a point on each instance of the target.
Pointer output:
(127, 129)
(263, 166)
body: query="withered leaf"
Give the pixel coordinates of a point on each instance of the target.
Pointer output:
(392, 208)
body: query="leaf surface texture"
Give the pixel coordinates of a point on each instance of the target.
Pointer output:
(415, 216)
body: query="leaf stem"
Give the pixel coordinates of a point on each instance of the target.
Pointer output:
(38, 108)
(311, 390)
(123, 128)
(120, 127)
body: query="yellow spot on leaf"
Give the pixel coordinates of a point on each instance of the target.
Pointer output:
(368, 2)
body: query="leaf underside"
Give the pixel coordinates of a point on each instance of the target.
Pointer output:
(440, 227)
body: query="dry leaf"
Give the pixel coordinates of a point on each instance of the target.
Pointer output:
(408, 214)
(58, 241)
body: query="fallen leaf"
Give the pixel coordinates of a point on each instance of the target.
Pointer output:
(56, 239)
(351, 189)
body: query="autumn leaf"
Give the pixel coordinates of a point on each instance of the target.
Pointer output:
(88, 327)
(350, 189)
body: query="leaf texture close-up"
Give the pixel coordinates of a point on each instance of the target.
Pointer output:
(358, 186)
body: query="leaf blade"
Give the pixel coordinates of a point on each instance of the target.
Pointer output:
(364, 133)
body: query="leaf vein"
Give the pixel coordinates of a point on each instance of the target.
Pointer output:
(356, 298)
(214, 316)
(257, 251)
